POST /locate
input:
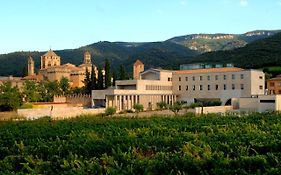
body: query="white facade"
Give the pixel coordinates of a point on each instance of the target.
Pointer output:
(218, 83)
(156, 85)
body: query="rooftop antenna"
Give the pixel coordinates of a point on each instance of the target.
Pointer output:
(50, 47)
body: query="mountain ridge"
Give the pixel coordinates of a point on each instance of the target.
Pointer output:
(166, 54)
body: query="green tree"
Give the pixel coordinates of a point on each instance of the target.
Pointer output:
(110, 111)
(100, 79)
(122, 73)
(87, 82)
(162, 105)
(107, 76)
(93, 78)
(113, 78)
(176, 107)
(10, 97)
(138, 107)
(31, 92)
(64, 86)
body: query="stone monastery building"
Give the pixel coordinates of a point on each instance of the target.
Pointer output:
(51, 69)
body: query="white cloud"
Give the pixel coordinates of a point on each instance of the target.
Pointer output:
(244, 3)
(183, 2)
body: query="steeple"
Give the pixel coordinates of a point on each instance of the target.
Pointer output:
(87, 58)
(30, 66)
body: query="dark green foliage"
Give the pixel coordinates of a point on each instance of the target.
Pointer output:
(93, 78)
(10, 97)
(176, 107)
(107, 76)
(100, 80)
(64, 86)
(138, 107)
(208, 144)
(162, 105)
(110, 111)
(31, 92)
(114, 77)
(122, 73)
(87, 82)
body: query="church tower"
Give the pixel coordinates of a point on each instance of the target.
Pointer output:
(30, 66)
(87, 58)
(138, 68)
(50, 59)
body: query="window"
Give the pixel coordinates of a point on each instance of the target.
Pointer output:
(193, 87)
(279, 83)
(242, 86)
(193, 78)
(208, 77)
(261, 87)
(242, 76)
(201, 87)
(201, 78)
(217, 87)
(216, 77)
(260, 77)
(179, 78)
(169, 79)
(224, 87)
(186, 78)
(233, 86)
(271, 84)
(224, 77)
(179, 88)
(186, 88)
(233, 77)
(209, 87)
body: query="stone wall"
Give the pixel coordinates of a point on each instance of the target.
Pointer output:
(75, 100)
(58, 113)
(213, 109)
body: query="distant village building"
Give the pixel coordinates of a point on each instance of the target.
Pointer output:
(274, 85)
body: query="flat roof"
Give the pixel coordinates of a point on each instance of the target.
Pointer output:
(209, 70)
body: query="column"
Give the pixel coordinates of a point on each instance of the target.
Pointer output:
(115, 102)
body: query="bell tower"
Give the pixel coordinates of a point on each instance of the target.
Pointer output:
(30, 66)
(87, 58)
(138, 68)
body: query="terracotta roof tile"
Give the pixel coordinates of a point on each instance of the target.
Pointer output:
(209, 70)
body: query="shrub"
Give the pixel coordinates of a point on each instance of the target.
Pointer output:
(162, 105)
(176, 107)
(110, 111)
(138, 107)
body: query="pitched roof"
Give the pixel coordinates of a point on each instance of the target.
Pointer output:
(138, 62)
(277, 78)
(50, 53)
(209, 70)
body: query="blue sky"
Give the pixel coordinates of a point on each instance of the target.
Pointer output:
(66, 24)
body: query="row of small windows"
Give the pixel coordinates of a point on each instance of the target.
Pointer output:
(216, 77)
(158, 88)
(216, 87)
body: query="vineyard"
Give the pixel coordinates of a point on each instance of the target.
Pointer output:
(188, 144)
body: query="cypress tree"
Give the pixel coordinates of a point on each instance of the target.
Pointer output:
(107, 77)
(122, 73)
(100, 78)
(87, 82)
(93, 78)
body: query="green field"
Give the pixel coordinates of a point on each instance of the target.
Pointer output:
(187, 144)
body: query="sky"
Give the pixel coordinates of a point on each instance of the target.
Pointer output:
(29, 25)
